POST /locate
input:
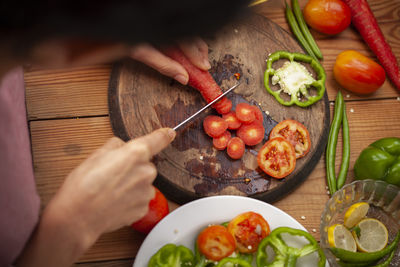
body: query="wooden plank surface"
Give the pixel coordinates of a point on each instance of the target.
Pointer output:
(60, 144)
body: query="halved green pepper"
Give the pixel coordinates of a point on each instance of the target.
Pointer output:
(285, 255)
(171, 255)
(294, 79)
(380, 161)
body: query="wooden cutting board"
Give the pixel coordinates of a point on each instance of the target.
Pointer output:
(142, 100)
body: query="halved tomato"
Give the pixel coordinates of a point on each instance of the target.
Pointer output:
(277, 157)
(215, 126)
(235, 148)
(296, 133)
(215, 242)
(245, 113)
(221, 142)
(248, 229)
(233, 122)
(251, 134)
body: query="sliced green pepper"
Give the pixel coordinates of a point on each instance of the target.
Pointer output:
(380, 161)
(285, 255)
(294, 79)
(229, 262)
(171, 255)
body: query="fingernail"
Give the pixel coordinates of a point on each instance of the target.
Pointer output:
(206, 63)
(181, 78)
(171, 133)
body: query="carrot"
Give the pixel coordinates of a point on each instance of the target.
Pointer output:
(364, 21)
(201, 80)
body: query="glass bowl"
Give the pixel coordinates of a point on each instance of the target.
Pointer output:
(384, 201)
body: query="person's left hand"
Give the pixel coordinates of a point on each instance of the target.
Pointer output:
(195, 49)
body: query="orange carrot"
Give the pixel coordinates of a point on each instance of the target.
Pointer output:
(364, 21)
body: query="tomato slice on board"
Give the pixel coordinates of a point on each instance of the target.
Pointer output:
(277, 157)
(158, 209)
(258, 114)
(296, 133)
(221, 142)
(248, 229)
(233, 122)
(214, 126)
(215, 242)
(245, 113)
(251, 134)
(235, 148)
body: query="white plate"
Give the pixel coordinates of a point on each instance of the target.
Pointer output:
(182, 225)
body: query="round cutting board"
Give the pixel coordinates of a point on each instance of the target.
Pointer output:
(142, 100)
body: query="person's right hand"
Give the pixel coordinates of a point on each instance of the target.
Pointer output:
(195, 49)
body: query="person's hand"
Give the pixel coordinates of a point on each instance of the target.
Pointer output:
(195, 49)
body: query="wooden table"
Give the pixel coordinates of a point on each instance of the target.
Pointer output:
(68, 119)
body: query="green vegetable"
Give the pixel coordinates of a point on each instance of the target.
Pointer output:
(380, 161)
(285, 255)
(230, 262)
(297, 32)
(171, 255)
(294, 79)
(344, 167)
(332, 142)
(304, 29)
(362, 257)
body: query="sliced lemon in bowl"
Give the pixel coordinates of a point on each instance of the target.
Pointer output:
(355, 213)
(371, 235)
(340, 237)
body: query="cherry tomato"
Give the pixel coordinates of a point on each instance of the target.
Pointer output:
(158, 209)
(233, 122)
(215, 242)
(358, 73)
(296, 133)
(277, 157)
(235, 148)
(251, 134)
(248, 229)
(327, 16)
(215, 126)
(245, 113)
(221, 142)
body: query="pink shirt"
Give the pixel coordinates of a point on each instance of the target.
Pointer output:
(19, 201)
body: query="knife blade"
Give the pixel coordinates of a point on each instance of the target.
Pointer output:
(205, 107)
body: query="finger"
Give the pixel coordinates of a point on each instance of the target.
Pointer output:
(197, 52)
(150, 56)
(149, 145)
(113, 143)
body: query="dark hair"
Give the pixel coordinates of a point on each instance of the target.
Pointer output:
(155, 21)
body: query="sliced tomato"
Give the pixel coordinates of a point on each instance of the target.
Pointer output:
(221, 142)
(248, 229)
(233, 122)
(296, 133)
(215, 242)
(235, 148)
(277, 157)
(258, 114)
(245, 113)
(251, 134)
(215, 126)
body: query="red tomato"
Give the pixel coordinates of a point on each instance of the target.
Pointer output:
(251, 134)
(221, 142)
(296, 133)
(258, 114)
(358, 73)
(327, 16)
(215, 126)
(245, 113)
(215, 242)
(235, 148)
(158, 209)
(233, 122)
(248, 229)
(277, 157)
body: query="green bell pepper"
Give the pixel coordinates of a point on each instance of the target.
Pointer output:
(285, 255)
(380, 161)
(294, 79)
(230, 262)
(171, 255)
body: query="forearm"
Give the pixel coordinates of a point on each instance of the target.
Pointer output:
(59, 240)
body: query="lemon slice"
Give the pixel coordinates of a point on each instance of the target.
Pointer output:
(340, 237)
(355, 213)
(370, 235)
